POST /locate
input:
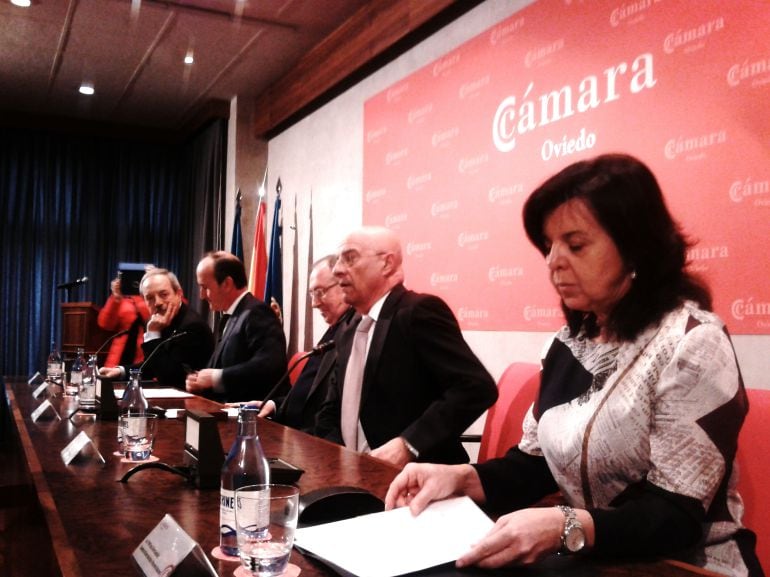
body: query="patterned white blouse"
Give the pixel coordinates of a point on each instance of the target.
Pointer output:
(644, 435)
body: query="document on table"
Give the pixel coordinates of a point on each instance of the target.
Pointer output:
(159, 393)
(395, 542)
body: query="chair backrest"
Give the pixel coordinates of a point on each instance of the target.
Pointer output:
(295, 372)
(517, 389)
(754, 470)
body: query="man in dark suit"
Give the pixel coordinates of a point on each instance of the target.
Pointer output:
(299, 408)
(422, 386)
(176, 340)
(250, 356)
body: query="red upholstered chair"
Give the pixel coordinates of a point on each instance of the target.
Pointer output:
(754, 470)
(295, 372)
(517, 389)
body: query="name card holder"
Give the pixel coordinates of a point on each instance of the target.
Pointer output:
(76, 445)
(168, 551)
(35, 379)
(42, 409)
(43, 388)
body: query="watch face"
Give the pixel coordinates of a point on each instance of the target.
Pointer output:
(575, 539)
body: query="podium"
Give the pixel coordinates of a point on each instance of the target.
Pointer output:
(80, 328)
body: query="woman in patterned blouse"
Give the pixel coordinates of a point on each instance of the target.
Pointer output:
(640, 403)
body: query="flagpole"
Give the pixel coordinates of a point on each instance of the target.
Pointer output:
(258, 268)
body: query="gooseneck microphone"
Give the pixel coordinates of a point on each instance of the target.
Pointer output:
(163, 343)
(74, 283)
(110, 339)
(319, 349)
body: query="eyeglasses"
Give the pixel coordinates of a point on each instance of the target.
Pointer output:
(320, 292)
(351, 257)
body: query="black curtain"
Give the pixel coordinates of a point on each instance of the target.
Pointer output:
(75, 205)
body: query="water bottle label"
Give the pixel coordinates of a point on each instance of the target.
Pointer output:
(76, 378)
(227, 515)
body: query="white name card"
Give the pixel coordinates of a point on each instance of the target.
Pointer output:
(44, 406)
(34, 378)
(168, 550)
(39, 391)
(76, 445)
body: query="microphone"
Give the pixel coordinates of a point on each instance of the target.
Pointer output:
(74, 283)
(161, 345)
(110, 339)
(319, 349)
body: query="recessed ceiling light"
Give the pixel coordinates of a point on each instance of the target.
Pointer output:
(188, 59)
(22, 3)
(86, 88)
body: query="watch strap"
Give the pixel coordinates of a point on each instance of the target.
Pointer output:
(571, 524)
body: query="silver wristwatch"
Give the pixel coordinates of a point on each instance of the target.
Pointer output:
(573, 538)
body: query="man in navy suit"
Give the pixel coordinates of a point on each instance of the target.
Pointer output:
(299, 408)
(422, 386)
(250, 356)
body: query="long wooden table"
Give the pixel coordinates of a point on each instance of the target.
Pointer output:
(77, 520)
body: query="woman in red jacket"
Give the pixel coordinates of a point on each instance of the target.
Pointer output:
(124, 312)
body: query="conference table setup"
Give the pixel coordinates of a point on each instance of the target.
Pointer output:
(76, 509)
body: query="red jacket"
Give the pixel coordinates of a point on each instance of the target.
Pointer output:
(119, 315)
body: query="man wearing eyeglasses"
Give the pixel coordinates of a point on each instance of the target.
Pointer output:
(408, 385)
(299, 408)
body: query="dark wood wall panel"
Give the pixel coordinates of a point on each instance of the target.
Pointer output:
(381, 27)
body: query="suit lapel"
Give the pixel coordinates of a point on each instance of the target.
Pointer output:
(381, 328)
(230, 329)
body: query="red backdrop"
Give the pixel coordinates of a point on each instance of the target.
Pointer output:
(452, 151)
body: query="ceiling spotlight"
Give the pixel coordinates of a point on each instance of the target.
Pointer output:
(86, 88)
(22, 3)
(188, 59)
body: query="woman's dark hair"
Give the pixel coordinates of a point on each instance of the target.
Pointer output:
(626, 200)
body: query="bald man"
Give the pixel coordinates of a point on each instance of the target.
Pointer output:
(422, 385)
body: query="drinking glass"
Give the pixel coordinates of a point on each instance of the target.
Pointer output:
(265, 520)
(138, 435)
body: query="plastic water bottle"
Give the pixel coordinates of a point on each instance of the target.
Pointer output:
(72, 386)
(245, 464)
(54, 367)
(88, 386)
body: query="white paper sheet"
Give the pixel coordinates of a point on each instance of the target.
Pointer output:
(394, 542)
(162, 393)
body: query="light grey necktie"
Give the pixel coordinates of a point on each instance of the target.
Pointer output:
(354, 378)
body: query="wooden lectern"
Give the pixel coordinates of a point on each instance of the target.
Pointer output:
(80, 329)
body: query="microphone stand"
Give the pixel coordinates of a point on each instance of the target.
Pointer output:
(276, 465)
(108, 409)
(185, 472)
(99, 350)
(320, 349)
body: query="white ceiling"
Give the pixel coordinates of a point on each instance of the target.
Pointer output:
(133, 50)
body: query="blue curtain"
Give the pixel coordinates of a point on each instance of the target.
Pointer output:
(76, 205)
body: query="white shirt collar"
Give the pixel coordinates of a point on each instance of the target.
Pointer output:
(374, 312)
(232, 307)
